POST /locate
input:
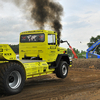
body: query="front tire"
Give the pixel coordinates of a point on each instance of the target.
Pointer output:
(12, 78)
(62, 69)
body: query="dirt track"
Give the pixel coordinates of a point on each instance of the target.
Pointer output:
(82, 83)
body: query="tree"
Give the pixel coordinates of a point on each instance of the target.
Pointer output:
(92, 41)
(69, 52)
(15, 48)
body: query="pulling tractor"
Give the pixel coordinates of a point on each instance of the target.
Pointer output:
(39, 54)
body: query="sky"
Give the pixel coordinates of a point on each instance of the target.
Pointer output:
(80, 20)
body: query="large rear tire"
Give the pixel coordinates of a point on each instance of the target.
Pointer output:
(62, 69)
(12, 78)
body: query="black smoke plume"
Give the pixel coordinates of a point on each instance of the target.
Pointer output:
(43, 12)
(47, 11)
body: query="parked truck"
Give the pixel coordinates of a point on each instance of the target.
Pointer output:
(39, 54)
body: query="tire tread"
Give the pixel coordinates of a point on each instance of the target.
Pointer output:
(3, 71)
(58, 70)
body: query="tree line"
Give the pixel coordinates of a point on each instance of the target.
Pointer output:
(78, 53)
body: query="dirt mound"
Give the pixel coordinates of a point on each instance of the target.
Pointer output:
(86, 63)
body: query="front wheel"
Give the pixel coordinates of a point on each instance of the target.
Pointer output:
(12, 78)
(62, 69)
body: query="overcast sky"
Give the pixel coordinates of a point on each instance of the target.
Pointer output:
(81, 21)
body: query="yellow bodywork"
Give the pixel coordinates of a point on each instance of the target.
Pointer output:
(36, 68)
(33, 68)
(6, 53)
(43, 50)
(46, 52)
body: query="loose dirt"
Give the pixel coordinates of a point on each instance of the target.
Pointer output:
(82, 83)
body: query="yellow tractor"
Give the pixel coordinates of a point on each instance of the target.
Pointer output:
(39, 54)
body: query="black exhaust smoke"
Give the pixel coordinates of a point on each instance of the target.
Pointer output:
(43, 12)
(47, 11)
